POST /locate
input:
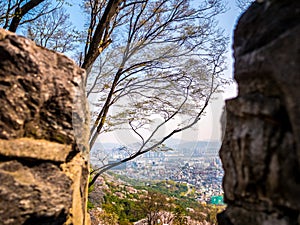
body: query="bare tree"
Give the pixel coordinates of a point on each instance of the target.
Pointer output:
(166, 61)
(15, 13)
(18, 12)
(54, 31)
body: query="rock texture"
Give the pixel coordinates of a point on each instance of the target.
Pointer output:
(261, 149)
(43, 136)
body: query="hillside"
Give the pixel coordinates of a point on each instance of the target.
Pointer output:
(116, 199)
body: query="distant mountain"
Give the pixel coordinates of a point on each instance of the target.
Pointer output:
(176, 144)
(192, 145)
(105, 146)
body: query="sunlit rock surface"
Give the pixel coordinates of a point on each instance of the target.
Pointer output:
(43, 136)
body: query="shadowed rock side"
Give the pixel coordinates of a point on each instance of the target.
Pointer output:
(43, 136)
(261, 148)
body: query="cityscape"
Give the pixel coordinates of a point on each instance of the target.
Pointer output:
(196, 164)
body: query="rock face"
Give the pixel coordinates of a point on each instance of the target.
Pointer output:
(261, 149)
(43, 136)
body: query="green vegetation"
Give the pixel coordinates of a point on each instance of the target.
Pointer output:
(127, 201)
(126, 209)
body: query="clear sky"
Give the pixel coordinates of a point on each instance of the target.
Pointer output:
(209, 126)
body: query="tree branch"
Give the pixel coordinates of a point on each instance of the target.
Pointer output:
(20, 12)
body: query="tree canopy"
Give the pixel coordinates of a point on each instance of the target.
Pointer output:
(165, 59)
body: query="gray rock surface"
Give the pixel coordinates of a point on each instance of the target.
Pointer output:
(43, 136)
(261, 148)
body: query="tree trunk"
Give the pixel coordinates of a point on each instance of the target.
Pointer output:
(20, 12)
(95, 47)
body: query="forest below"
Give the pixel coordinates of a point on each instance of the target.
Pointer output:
(116, 199)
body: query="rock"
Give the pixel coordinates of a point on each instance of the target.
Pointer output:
(261, 148)
(39, 89)
(44, 123)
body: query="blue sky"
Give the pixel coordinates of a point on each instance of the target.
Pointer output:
(209, 127)
(227, 21)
